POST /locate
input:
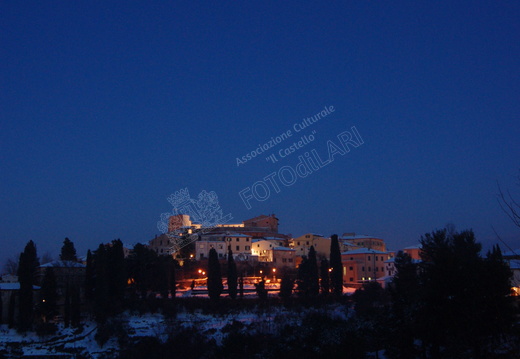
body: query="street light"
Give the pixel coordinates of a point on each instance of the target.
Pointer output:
(274, 274)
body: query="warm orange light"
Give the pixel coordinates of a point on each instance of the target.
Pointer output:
(330, 269)
(203, 273)
(200, 271)
(274, 270)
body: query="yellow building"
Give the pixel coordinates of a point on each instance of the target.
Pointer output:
(283, 257)
(268, 251)
(302, 244)
(263, 249)
(240, 243)
(364, 241)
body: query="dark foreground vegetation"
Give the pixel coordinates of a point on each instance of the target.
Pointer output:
(454, 303)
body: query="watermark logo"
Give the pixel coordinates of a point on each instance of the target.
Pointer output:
(308, 163)
(205, 211)
(274, 141)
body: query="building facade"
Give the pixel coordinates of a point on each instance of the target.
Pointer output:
(364, 241)
(370, 263)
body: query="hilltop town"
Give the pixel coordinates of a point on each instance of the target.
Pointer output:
(241, 270)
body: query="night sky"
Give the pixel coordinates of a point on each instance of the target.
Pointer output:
(107, 108)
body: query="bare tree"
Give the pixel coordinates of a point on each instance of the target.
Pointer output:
(46, 258)
(509, 205)
(11, 266)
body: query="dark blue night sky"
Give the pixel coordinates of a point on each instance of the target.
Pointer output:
(109, 107)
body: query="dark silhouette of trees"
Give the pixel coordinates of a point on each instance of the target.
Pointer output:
(140, 269)
(313, 277)
(308, 278)
(509, 205)
(75, 307)
(163, 268)
(106, 280)
(463, 298)
(232, 276)
(117, 279)
(260, 290)
(102, 303)
(369, 299)
(324, 277)
(11, 266)
(49, 295)
(371, 303)
(27, 270)
(286, 288)
(336, 276)
(404, 293)
(68, 252)
(302, 282)
(172, 264)
(214, 284)
(46, 258)
(90, 280)
(67, 306)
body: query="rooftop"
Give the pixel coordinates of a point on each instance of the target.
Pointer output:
(358, 236)
(283, 249)
(241, 235)
(364, 251)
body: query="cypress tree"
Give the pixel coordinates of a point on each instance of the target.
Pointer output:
(336, 276)
(214, 285)
(101, 287)
(241, 286)
(89, 278)
(232, 274)
(286, 288)
(49, 294)
(141, 267)
(27, 270)
(324, 276)
(313, 278)
(68, 252)
(117, 278)
(302, 282)
(260, 290)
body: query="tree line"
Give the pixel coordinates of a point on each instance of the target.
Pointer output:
(453, 303)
